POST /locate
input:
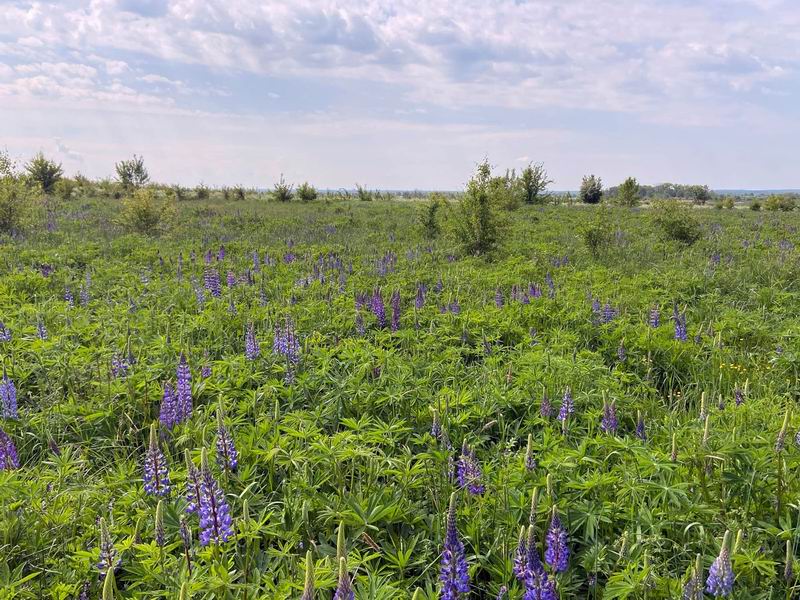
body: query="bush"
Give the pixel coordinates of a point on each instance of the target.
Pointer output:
(238, 193)
(430, 217)
(363, 193)
(755, 205)
(676, 221)
(44, 172)
(779, 202)
(14, 201)
(728, 202)
(591, 190)
(64, 188)
(282, 191)
(505, 191)
(628, 193)
(477, 222)
(533, 183)
(144, 214)
(700, 194)
(306, 192)
(132, 173)
(597, 235)
(202, 192)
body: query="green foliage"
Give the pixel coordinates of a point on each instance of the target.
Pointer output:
(202, 192)
(65, 188)
(144, 213)
(755, 205)
(282, 191)
(306, 192)
(533, 182)
(429, 217)
(15, 200)
(676, 221)
(239, 193)
(699, 194)
(780, 202)
(628, 193)
(132, 174)
(597, 234)
(8, 168)
(43, 172)
(591, 191)
(505, 191)
(477, 222)
(363, 193)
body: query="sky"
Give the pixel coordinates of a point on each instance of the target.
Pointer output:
(406, 94)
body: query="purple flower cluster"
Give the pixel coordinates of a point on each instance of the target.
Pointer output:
(211, 281)
(557, 552)
(453, 572)
(168, 413)
(227, 457)
(609, 422)
(720, 576)
(156, 472)
(344, 588)
(119, 365)
(567, 406)
(419, 300)
(41, 330)
(5, 333)
(251, 347)
(216, 524)
(546, 407)
(395, 302)
(285, 341)
(498, 298)
(183, 404)
(469, 471)
(109, 559)
(9, 459)
(8, 397)
(641, 431)
(680, 325)
(655, 317)
(377, 307)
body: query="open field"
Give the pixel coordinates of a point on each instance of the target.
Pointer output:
(344, 375)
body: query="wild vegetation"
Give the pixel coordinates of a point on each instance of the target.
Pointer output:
(242, 394)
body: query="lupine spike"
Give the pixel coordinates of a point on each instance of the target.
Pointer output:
(521, 555)
(641, 432)
(530, 461)
(108, 586)
(308, 586)
(9, 458)
(344, 588)
(720, 576)
(192, 485)
(227, 456)
(567, 406)
(215, 518)
(469, 471)
(8, 397)
(108, 554)
(557, 552)
(160, 534)
(534, 505)
(341, 542)
(454, 570)
(156, 473)
(780, 443)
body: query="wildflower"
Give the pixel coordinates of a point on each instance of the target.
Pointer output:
(436, 426)
(211, 281)
(567, 406)
(186, 538)
(156, 473)
(609, 313)
(454, 570)
(395, 302)
(641, 433)
(227, 457)
(8, 397)
(530, 461)
(501, 592)
(184, 390)
(214, 512)
(9, 459)
(251, 348)
(720, 576)
(41, 330)
(609, 422)
(655, 317)
(360, 328)
(69, 298)
(546, 408)
(5, 333)
(168, 413)
(780, 443)
(193, 485)
(221, 252)
(520, 567)
(205, 370)
(680, 324)
(557, 553)
(377, 308)
(344, 589)
(469, 471)
(109, 559)
(539, 586)
(230, 279)
(738, 396)
(285, 342)
(119, 365)
(498, 298)
(419, 300)
(621, 354)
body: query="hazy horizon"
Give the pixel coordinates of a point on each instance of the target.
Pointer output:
(404, 95)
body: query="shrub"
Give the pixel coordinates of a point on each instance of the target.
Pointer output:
(14, 202)
(363, 193)
(64, 188)
(779, 202)
(699, 194)
(8, 168)
(144, 214)
(44, 172)
(429, 219)
(597, 235)
(755, 205)
(728, 202)
(282, 191)
(505, 191)
(202, 192)
(306, 192)
(591, 190)
(628, 193)
(238, 193)
(477, 222)
(132, 173)
(533, 183)
(676, 221)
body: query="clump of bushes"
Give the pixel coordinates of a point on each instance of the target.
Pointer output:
(306, 192)
(282, 191)
(591, 191)
(780, 202)
(144, 213)
(675, 221)
(597, 234)
(478, 223)
(132, 174)
(15, 199)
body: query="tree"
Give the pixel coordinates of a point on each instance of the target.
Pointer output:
(533, 183)
(628, 192)
(8, 167)
(700, 194)
(14, 202)
(591, 190)
(477, 219)
(282, 191)
(44, 172)
(429, 219)
(306, 192)
(132, 174)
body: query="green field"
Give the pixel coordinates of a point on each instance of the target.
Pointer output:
(359, 429)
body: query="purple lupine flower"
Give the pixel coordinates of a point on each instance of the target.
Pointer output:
(520, 567)
(168, 413)
(231, 279)
(609, 313)
(193, 485)
(231, 306)
(539, 586)
(530, 459)
(41, 330)
(251, 347)
(655, 317)
(109, 559)
(395, 302)
(156, 472)
(83, 292)
(69, 298)
(419, 300)
(546, 408)
(360, 328)
(557, 552)
(501, 592)
(455, 307)
(215, 515)
(227, 457)
(262, 297)
(200, 296)
(344, 588)
(498, 298)
(641, 431)
(205, 370)
(184, 391)
(211, 281)
(377, 308)
(596, 309)
(548, 279)
(285, 341)
(469, 471)
(720, 576)
(621, 354)
(5, 333)
(436, 426)
(738, 396)
(680, 325)
(221, 252)
(8, 397)
(85, 588)
(119, 365)
(453, 573)
(567, 406)
(9, 459)
(609, 422)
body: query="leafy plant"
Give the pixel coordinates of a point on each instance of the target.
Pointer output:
(143, 213)
(306, 192)
(132, 174)
(477, 222)
(628, 193)
(780, 202)
(533, 182)
(429, 218)
(676, 221)
(43, 172)
(282, 191)
(591, 191)
(15, 199)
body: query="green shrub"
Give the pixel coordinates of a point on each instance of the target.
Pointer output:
(429, 219)
(238, 193)
(780, 202)
(43, 172)
(202, 192)
(728, 202)
(591, 190)
(282, 191)
(597, 234)
(363, 193)
(143, 213)
(306, 192)
(477, 222)
(64, 188)
(533, 183)
(755, 205)
(15, 200)
(628, 193)
(132, 173)
(676, 221)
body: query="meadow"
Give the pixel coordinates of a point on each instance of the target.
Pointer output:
(286, 400)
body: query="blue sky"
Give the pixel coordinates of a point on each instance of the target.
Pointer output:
(407, 93)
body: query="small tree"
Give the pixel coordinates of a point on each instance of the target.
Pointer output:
(202, 191)
(676, 221)
(628, 192)
(429, 219)
(477, 220)
(283, 192)
(779, 202)
(238, 193)
(8, 168)
(699, 194)
(132, 174)
(14, 201)
(591, 190)
(533, 182)
(144, 214)
(306, 192)
(44, 172)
